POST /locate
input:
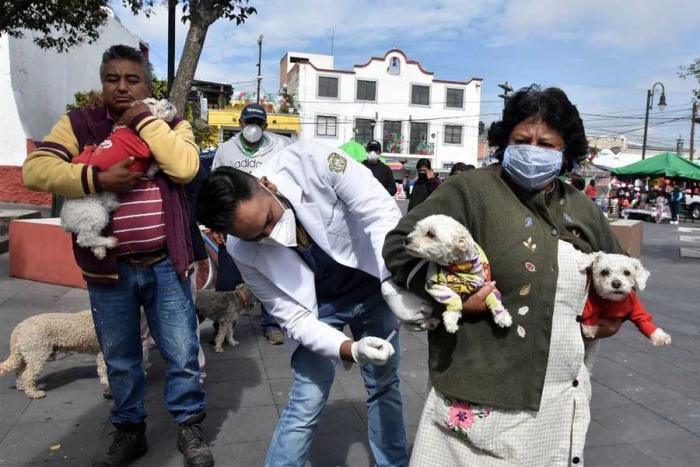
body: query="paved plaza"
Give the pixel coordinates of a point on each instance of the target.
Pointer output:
(646, 400)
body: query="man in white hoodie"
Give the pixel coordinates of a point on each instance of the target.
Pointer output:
(247, 151)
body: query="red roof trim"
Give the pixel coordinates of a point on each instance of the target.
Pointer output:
(381, 59)
(405, 57)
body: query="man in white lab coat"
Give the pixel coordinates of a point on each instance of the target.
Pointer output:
(307, 236)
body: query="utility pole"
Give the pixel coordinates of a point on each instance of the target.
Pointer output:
(679, 145)
(259, 65)
(506, 90)
(692, 128)
(171, 44)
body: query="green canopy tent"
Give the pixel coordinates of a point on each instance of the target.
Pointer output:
(355, 150)
(666, 164)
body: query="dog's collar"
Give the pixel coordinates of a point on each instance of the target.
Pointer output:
(243, 297)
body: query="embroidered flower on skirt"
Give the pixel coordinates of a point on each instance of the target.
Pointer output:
(462, 415)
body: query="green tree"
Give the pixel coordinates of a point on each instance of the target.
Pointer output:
(203, 133)
(692, 71)
(201, 14)
(61, 24)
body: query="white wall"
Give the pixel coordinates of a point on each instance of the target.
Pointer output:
(43, 82)
(13, 140)
(393, 103)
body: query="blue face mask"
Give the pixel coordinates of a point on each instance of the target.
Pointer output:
(531, 167)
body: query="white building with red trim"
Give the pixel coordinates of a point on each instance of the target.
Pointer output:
(392, 99)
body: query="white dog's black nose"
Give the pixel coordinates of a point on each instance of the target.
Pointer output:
(616, 284)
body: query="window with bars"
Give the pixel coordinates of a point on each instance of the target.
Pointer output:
(420, 95)
(392, 139)
(453, 134)
(364, 130)
(454, 98)
(419, 137)
(327, 87)
(326, 126)
(366, 91)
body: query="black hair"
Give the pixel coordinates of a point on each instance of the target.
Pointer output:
(592, 182)
(423, 162)
(550, 105)
(578, 182)
(374, 145)
(459, 167)
(221, 195)
(124, 52)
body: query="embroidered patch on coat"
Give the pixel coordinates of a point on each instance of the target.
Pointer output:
(523, 310)
(530, 267)
(529, 245)
(521, 331)
(528, 221)
(337, 163)
(568, 217)
(525, 291)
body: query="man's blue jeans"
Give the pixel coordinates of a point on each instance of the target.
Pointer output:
(313, 377)
(167, 301)
(229, 277)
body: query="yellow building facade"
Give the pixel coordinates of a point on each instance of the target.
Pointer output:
(226, 123)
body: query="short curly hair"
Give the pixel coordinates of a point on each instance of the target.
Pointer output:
(550, 105)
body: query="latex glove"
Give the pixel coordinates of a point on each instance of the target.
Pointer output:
(407, 306)
(372, 350)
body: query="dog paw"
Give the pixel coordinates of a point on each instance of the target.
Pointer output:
(450, 320)
(232, 342)
(589, 331)
(659, 338)
(107, 393)
(219, 349)
(503, 319)
(100, 252)
(430, 324)
(35, 394)
(111, 242)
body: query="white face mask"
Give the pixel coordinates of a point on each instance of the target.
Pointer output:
(372, 156)
(285, 231)
(252, 133)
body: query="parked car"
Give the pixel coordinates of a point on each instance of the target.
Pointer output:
(692, 203)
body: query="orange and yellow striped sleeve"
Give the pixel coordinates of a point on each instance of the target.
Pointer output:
(174, 150)
(49, 168)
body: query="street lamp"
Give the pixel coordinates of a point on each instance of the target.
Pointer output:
(662, 106)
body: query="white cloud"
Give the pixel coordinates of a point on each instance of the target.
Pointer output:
(604, 23)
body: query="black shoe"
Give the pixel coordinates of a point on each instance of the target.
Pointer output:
(191, 443)
(129, 444)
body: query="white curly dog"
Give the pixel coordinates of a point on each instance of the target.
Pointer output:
(35, 340)
(88, 216)
(457, 268)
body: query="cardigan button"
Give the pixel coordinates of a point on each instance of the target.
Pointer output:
(555, 232)
(575, 383)
(575, 460)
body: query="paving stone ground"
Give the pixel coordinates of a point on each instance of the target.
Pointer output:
(645, 407)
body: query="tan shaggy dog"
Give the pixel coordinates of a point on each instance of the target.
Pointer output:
(35, 340)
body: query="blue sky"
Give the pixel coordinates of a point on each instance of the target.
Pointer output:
(604, 53)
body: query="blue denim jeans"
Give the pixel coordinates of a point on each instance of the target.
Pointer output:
(167, 301)
(229, 277)
(313, 377)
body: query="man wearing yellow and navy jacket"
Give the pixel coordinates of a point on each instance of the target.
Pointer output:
(151, 265)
